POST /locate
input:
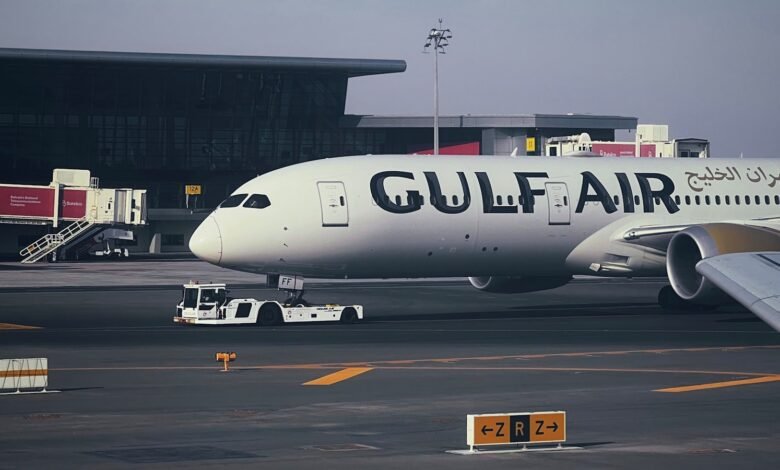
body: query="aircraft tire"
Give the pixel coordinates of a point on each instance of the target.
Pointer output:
(669, 300)
(269, 315)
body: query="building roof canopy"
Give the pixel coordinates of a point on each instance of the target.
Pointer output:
(562, 121)
(350, 67)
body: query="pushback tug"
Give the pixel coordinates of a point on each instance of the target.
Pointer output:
(209, 304)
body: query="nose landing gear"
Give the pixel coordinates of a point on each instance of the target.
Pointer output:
(293, 285)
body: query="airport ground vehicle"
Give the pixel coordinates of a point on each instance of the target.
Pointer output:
(208, 304)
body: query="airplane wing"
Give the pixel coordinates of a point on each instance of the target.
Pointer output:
(657, 236)
(752, 279)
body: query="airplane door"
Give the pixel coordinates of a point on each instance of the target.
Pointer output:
(558, 203)
(333, 202)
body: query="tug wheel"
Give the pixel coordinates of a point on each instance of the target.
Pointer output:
(270, 314)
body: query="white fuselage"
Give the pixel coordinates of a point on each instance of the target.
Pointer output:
(362, 216)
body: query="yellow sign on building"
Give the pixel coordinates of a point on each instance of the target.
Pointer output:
(192, 190)
(530, 144)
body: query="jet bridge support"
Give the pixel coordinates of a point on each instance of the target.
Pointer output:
(74, 199)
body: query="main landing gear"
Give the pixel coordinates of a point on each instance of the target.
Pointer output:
(669, 300)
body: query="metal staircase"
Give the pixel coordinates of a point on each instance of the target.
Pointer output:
(48, 243)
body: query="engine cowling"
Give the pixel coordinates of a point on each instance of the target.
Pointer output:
(696, 243)
(516, 285)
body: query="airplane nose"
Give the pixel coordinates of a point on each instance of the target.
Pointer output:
(206, 241)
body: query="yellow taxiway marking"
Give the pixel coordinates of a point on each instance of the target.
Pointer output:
(444, 360)
(730, 383)
(339, 376)
(14, 326)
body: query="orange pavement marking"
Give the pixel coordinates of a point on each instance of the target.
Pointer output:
(23, 373)
(13, 326)
(339, 376)
(731, 383)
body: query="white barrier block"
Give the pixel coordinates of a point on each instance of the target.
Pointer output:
(29, 375)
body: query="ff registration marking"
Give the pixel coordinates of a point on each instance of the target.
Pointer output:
(510, 428)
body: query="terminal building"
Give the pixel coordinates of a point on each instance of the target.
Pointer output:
(163, 122)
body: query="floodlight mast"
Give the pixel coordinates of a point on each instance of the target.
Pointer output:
(439, 39)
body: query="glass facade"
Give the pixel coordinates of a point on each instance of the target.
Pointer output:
(160, 128)
(159, 122)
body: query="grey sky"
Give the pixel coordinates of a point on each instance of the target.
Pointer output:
(707, 68)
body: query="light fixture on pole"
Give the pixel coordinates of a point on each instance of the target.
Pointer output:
(438, 38)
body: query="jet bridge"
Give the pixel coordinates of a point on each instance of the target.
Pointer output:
(73, 202)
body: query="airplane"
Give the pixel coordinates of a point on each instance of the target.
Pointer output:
(513, 224)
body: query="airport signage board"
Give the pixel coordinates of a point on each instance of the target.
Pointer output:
(545, 427)
(619, 149)
(73, 204)
(27, 201)
(530, 144)
(38, 202)
(192, 190)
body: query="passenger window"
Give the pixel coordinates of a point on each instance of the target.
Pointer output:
(747, 200)
(717, 200)
(444, 199)
(687, 200)
(636, 200)
(698, 200)
(233, 201)
(454, 200)
(398, 199)
(566, 200)
(510, 200)
(728, 200)
(341, 200)
(657, 201)
(498, 200)
(617, 201)
(736, 200)
(707, 200)
(257, 201)
(766, 200)
(777, 199)
(677, 199)
(758, 200)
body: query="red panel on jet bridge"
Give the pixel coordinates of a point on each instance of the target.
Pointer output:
(26, 201)
(466, 148)
(621, 149)
(74, 204)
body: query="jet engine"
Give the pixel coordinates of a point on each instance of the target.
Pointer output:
(696, 243)
(517, 285)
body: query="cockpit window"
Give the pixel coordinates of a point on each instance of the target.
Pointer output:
(233, 201)
(257, 201)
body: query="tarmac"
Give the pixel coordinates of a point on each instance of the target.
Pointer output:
(642, 387)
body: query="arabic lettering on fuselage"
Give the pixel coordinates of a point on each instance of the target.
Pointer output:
(697, 182)
(591, 190)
